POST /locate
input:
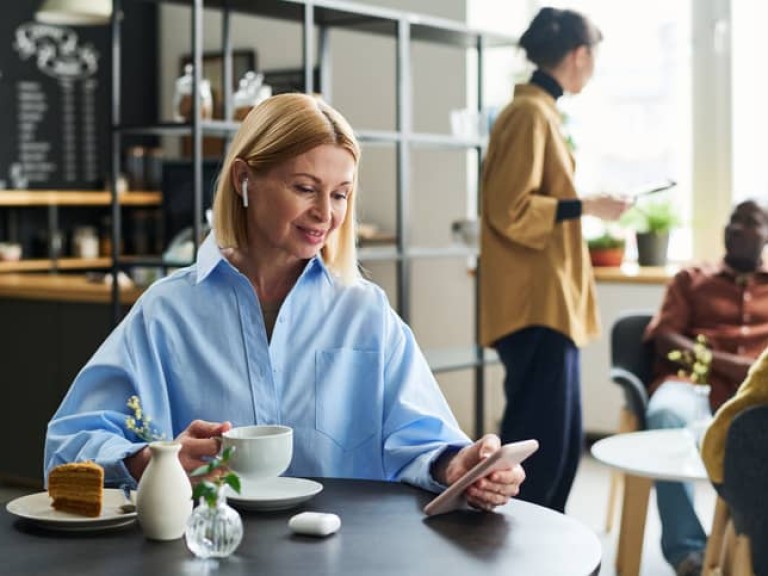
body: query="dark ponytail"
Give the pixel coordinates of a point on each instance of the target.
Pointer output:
(553, 33)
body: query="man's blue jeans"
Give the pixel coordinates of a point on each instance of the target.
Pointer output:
(675, 405)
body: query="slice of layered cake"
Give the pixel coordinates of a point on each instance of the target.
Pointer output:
(77, 488)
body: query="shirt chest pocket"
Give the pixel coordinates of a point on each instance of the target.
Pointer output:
(348, 395)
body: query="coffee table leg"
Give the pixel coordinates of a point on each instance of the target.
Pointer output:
(634, 509)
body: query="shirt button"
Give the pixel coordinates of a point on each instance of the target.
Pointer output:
(745, 329)
(747, 296)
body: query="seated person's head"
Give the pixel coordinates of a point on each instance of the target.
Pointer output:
(745, 236)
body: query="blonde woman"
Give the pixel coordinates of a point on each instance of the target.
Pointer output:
(273, 325)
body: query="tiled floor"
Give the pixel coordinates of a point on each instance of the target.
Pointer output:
(587, 503)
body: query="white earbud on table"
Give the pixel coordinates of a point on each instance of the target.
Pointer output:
(315, 523)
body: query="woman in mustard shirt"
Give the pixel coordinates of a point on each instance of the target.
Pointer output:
(536, 281)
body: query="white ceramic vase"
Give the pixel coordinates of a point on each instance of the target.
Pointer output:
(164, 496)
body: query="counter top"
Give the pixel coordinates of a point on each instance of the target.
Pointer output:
(61, 287)
(631, 273)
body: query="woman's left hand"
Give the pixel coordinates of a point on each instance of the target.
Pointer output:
(492, 490)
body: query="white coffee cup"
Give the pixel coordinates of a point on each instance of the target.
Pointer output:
(261, 451)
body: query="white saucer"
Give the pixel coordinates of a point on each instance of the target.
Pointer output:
(274, 493)
(37, 509)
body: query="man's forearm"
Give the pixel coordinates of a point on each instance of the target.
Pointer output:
(734, 367)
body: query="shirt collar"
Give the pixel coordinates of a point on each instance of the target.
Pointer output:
(209, 257)
(725, 270)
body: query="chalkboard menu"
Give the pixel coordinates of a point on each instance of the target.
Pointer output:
(55, 96)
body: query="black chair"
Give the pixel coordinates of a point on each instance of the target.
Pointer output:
(632, 370)
(632, 365)
(746, 479)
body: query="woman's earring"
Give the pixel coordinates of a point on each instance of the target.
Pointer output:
(245, 192)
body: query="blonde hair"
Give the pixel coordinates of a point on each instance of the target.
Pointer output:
(278, 129)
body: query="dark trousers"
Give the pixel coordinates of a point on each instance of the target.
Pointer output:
(542, 387)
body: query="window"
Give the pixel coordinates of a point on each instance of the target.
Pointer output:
(749, 109)
(632, 125)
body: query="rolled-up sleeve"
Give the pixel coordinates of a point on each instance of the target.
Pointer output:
(418, 423)
(90, 423)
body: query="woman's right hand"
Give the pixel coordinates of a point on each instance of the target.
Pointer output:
(605, 206)
(199, 442)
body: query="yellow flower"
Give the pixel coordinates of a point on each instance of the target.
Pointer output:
(139, 424)
(695, 363)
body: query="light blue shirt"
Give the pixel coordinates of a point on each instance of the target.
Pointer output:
(342, 369)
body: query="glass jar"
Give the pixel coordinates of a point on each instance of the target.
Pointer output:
(85, 242)
(182, 97)
(135, 160)
(214, 531)
(250, 92)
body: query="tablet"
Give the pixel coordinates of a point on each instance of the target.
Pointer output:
(505, 457)
(655, 189)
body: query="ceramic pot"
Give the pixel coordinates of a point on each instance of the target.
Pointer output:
(164, 495)
(606, 256)
(652, 248)
(214, 531)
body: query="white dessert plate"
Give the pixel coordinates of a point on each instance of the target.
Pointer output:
(274, 494)
(36, 508)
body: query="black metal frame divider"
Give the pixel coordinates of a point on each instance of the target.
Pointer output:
(323, 15)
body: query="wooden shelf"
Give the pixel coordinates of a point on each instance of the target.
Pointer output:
(62, 288)
(77, 198)
(45, 264)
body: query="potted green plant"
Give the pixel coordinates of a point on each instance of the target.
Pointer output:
(606, 249)
(652, 221)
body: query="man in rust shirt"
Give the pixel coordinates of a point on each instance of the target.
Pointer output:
(727, 303)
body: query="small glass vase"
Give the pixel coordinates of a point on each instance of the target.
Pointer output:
(214, 532)
(703, 414)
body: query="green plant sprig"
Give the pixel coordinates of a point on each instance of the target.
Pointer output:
(656, 216)
(605, 241)
(141, 424)
(208, 489)
(697, 361)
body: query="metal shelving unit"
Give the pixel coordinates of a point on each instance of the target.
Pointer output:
(318, 19)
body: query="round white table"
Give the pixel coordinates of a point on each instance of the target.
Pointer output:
(644, 457)
(669, 454)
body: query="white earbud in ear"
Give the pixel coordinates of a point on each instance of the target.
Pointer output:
(245, 192)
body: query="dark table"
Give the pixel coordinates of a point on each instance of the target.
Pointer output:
(383, 531)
